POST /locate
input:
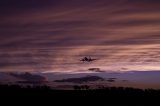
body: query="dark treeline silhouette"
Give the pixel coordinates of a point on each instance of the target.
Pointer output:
(83, 87)
(83, 95)
(9, 88)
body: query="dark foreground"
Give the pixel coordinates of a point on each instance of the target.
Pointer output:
(102, 97)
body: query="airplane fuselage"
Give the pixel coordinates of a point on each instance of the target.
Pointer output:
(88, 59)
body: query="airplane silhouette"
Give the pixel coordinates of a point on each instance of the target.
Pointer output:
(87, 59)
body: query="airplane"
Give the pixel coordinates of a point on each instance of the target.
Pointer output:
(87, 59)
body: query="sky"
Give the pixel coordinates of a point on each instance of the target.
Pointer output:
(53, 35)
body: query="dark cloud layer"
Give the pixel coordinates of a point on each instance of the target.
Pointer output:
(38, 35)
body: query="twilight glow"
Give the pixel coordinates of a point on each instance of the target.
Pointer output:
(53, 35)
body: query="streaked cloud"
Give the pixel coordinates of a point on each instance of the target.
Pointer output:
(54, 34)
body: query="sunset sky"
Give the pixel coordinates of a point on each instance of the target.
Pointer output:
(53, 35)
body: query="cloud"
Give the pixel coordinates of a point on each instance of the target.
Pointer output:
(29, 77)
(53, 35)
